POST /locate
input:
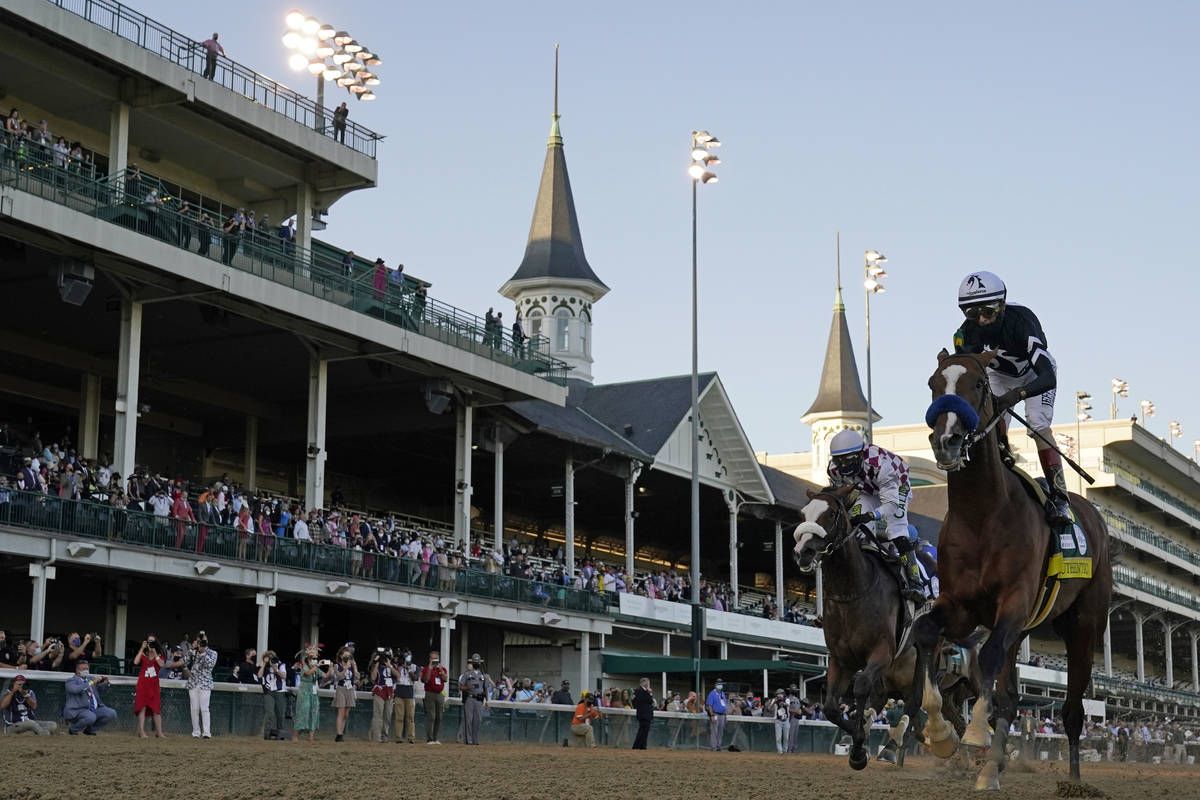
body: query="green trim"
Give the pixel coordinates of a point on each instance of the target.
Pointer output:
(634, 665)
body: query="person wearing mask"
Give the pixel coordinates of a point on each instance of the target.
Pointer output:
(345, 680)
(383, 699)
(19, 705)
(245, 671)
(581, 722)
(273, 677)
(716, 705)
(198, 663)
(473, 689)
(307, 716)
(84, 710)
(562, 696)
(434, 677)
(147, 697)
(643, 704)
(406, 679)
(778, 709)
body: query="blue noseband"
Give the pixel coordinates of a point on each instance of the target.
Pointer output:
(952, 404)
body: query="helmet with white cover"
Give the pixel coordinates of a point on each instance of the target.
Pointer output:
(980, 288)
(846, 452)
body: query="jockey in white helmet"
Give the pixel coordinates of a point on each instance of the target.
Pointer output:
(1022, 370)
(882, 478)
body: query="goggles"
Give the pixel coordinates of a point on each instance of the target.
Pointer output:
(848, 463)
(986, 310)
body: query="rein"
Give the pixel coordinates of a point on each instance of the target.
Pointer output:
(980, 434)
(837, 542)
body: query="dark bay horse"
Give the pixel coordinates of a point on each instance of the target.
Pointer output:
(992, 557)
(860, 614)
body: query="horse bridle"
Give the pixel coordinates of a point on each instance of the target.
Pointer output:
(843, 514)
(980, 433)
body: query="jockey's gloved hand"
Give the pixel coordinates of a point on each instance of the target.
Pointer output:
(1010, 398)
(863, 519)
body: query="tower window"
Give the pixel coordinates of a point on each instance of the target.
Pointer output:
(564, 329)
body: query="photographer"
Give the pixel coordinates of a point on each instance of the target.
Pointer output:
(78, 648)
(581, 723)
(48, 655)
(308, 711)
(346, 678)
(147, 696)
(406, 678)
(84, 709)
(383, 679)
(434, 676)
(198, 663)
(273, 677)
(19, 704)
(245, 671)
(173, 669)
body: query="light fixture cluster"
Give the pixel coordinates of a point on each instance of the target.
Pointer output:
(873, 265)
(703, 143)
(331, 54)
(1082, 406)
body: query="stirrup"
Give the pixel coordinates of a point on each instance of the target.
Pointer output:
(1058, 511)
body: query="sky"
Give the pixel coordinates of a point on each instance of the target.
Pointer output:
(1051, 143)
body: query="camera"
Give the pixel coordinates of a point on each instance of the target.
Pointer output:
(324, 662)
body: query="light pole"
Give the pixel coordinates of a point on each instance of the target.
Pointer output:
(1147, 410)
(1196, 450)
(1176, 430)
(1119, 388)
(873, 262)
(1082, 407)
(329, 55)
(703, 143)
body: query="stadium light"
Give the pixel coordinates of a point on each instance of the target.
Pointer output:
(1119, 389)
(328, 55)
(873, 262)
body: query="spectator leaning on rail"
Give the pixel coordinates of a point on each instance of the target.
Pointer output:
(198, 663)
(84, 710)
(19, 705)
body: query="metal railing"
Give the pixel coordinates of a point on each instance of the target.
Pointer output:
(1108, 465)
(183, 51)
(123, 200)
(92, 520)
(1123, 525)
(1129, 577)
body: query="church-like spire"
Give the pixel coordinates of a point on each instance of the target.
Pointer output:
(840, 389)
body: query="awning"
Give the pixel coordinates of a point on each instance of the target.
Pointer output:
(649, 665)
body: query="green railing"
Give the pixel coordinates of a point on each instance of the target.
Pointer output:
(1146, 486)
(1142, 691)
(1126, 526)
(183, 51)
(1129, 577)
(122, 200)
(92, 520)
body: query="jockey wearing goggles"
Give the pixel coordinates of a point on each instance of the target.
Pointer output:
(882, 478)
(1022, 370)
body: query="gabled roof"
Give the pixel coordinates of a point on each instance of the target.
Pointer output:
(790, 492)
(644, 412)
(555, 246)
(840, 389)
(574, 424)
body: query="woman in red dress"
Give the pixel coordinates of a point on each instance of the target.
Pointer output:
(146, 698)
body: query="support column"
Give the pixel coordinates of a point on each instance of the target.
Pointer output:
(445, 625)
(585, 661)
(40, 572)
(118, 142)
(569, 506)
(128, 376)
(766, 687)
(1108, 667)
(733, 505)
(725, 650)
(304, 215)
(1025, 650)
(1168, 652)
(820, 592)
(666, 651)
(1138, 620)
(1194, 635)
(311, 621)
(265, 601)
(117, 625)
(498, 493)
(318, 408)
(89, 416)
(463, 438)
(463, 652)
(779, 566)
(250, 460)
(635, 469)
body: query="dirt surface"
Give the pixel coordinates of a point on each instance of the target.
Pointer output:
(117, 765)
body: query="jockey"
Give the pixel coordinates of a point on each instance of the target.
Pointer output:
(1022, 370)
(882, 477)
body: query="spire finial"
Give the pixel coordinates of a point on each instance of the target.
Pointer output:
(555, 133)
(556, 80)
(838, 305)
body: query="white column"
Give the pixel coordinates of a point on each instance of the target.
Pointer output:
(1025, 649)
(250, 460)
(630, 480)
(766, 687)
(1108, 667)
(445, 625)
(463, 652)
(312, 621)
(585, 661)
(1168, 629)
(569, 505)
(265, 601)
(89, 416)
(128, 375)
(117, 631)
(118, 142)
(464, 437)
(498, 492)
(725, 650)
(666, 651)
(318, 408)
(779, 566)
(820, 592)
(1194, 635)
(40, 573)
(1138, 619)
(304, 215)
(733, 547)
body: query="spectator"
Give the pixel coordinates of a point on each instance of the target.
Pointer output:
(78, 649)
(643, 704)
(198, 663)
(19, 705)
(307, 716)
(173, 669)
(473, 688)
(181, 510)
(346, 679)
(245, 671)
(518, 338)
(211, 48)
(379, 281)
(300, 530)
(83, 709)
(581, 722)
(434, 677)
(777, 707)
(204, 226)
(562, 696)
(8, 654)
(244, 527)
(383, 700)
(273, 676)
(716, 705)
(406, 678)
(147, 696)
(339, 122)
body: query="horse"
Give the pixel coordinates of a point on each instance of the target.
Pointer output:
(861, 614)
(993, 552)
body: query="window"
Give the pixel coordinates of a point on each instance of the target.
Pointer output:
(535, 323)
(564, 329)
(585, 342)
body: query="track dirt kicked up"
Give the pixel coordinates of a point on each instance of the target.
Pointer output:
(121, 766)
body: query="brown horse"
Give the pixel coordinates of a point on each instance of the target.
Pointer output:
(992, 557)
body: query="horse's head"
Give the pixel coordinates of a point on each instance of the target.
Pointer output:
(960, 396)
(825, 526)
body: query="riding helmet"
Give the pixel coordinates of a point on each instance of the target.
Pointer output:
(981, 287)
(846, 450)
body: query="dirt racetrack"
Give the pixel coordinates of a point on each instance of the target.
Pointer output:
(117, 765)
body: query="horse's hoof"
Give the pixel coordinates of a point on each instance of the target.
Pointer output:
(989, 778)
(859, 758)
(977, 735)
(887, 755)
(943, 741)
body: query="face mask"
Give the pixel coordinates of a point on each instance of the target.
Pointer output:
(84, 674)
(74, 641)
(720, 687)
(407, 659)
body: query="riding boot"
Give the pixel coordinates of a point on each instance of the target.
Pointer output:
(1058, 507)
(1006, 454)
(910, 571)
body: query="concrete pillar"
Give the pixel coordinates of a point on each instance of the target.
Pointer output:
(733, 505)
(118, 142)
(250, 460)
(1168, 654)
(820, 592)
(1138, 620)
(463, 652)
(635, 470)
(498, 494)
(318, 408)
(724, 650)
(779, 566)
(89, 416)
(116, 626)
(1194, 635)
(128, 376)
(304, 215)
(585, 659)
(464, 437)
(1108, 667)
(1025, 650)
(265, 601)
(766, 687)
(445, 625)
(40, 572)
(569, 507)
(310, 626)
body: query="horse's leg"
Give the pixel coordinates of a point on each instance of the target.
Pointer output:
(1081, 641)
(942, 739)
(868, 683)
(837, 683)
(996, 658)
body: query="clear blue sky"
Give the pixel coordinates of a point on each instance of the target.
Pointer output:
(1053, 143)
